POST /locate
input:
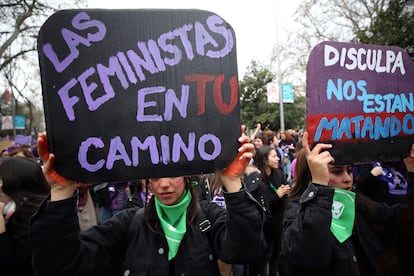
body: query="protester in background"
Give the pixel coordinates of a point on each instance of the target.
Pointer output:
(275, 190)
(383, 182)
(298, 147)
(23, 187)
(287, 144)
(259, 140)
(257, 129)
(115, 201)
(272, 139)
(86, 207)
(23, 151)
(173, 235)
(139, 193)
(328, 229)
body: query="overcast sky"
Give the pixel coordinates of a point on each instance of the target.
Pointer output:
(254, 22)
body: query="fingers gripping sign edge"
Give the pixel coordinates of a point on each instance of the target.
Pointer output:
(237, 166)
(49, 161)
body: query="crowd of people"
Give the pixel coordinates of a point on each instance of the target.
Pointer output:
(289, 210)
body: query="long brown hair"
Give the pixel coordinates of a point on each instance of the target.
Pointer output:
(216, 187)
(303, 175)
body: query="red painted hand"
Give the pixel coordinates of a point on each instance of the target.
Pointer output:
(49, 161)
(246, 152)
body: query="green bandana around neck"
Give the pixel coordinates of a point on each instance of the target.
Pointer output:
(343, 214)
(273, 187)
(173, 221)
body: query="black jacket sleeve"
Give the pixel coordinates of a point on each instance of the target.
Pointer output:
(59, 248)
(306, 229)
(237, 231)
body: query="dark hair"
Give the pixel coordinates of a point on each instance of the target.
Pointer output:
(215, 184)
(269, 136)
(191, 210)
(261, 156)
(260, 136)
(26, 150)
(303, 175)
(260, 159)
(24, 182)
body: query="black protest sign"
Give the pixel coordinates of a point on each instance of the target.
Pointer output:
(360, 98)
(134, 94)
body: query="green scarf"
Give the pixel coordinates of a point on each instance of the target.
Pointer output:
(173, 221)
(343, 214)
(273, 187)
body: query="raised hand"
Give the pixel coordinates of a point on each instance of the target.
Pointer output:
(48, 161)
(231, 176)
(246, 152)
(256, 131)
(318, 159)
(61, 188)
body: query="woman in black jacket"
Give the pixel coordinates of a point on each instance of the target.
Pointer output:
(24, 186)
(173, 235)
(274, 191)
(328, 230)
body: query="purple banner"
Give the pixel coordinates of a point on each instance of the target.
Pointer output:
(360, 98)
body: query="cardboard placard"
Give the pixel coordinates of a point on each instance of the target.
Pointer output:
(360, 98)
(132, 94)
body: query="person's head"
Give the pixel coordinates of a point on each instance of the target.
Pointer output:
(266, 159)
(23, 181)
(270, 137)
(340, 176)
(285, 136)
(23, 151)
(259, 141)
(276, 139)
(169, 190)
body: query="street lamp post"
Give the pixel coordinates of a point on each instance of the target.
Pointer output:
(279, 75)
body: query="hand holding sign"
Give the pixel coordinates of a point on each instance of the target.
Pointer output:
(360, 99)
(231, 175)
(318, 159)
(246, 152)
(141, 102)
(49, 161)
(61, 188)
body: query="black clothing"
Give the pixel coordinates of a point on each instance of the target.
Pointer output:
(309, 247)
(15, 251)
(262, 189)
(376, 188)
(125, 245)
